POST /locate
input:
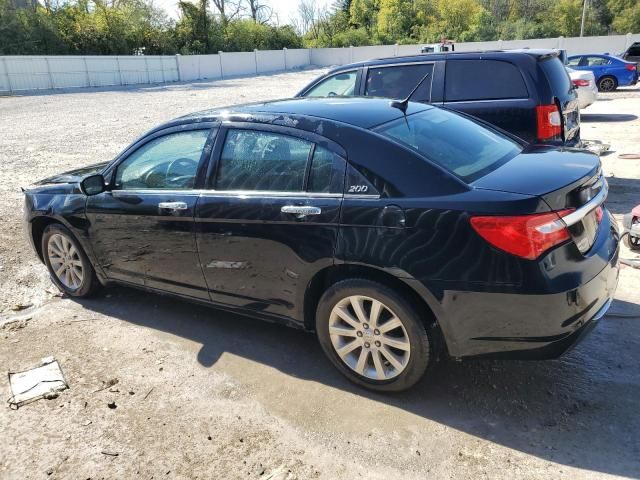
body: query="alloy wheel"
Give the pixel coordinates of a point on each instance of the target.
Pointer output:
(607, 84)
(65, 261)
(369, 338)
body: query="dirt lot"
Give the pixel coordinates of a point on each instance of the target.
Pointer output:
(206, 394)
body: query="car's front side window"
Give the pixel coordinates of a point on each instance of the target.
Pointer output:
(167, 162)
(340, 84)
(262, 161)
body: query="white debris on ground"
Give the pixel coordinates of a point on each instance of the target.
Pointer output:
(43, 381)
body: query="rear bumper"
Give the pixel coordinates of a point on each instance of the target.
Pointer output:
(587, 96)
(523, 326)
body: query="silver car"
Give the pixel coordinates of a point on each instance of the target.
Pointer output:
(585, 83)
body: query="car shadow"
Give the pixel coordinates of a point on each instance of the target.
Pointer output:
(624, 194)
(564, 411)
(607, 117)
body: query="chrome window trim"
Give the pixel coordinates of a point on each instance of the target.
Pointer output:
(239, 193)
(588, 207)
(227, 193)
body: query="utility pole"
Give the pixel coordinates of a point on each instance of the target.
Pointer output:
(584, 15)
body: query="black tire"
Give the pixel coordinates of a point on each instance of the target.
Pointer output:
(89, 283)
(421, 351)
(607, 84)
(632, 242)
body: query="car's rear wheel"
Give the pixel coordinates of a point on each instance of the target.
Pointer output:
(373, 335)
(68, 265)
(607, 84)
(633, 243)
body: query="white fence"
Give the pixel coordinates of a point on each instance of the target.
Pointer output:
(20, 73)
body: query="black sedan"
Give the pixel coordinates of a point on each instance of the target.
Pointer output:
(398, 232)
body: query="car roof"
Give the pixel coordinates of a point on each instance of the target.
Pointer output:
(363, 112)
(422, 57)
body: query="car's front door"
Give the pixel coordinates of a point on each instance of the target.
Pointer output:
(270, 219)
(142, 227)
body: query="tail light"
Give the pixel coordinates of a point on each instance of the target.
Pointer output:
(526, 236)
(580, 83)
(549, 122)
(630, 66)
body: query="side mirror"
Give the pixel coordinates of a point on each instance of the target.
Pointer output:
(92, 185)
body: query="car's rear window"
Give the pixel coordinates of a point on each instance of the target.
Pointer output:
(460, 145)
(557, 75)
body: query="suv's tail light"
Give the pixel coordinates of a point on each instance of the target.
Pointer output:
(630, 66)
(549, 121)
(527, 236)
(580, 83)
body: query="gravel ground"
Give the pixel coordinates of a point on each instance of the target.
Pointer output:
(206, 394)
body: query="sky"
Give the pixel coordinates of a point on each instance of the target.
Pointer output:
(285, 9)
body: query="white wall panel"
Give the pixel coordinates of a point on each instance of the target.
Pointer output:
(298, 57)
(238, 63)
(330, 56)
(270, 60)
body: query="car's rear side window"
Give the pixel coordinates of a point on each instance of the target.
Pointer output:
(266, 161)
(460, 145)
(556, 74)
(398, 81)
(468, 80)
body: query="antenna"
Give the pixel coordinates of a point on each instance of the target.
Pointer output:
(403, 104)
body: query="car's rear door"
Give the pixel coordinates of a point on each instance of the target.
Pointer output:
(492, 90)
(142, 228)
(269, 220)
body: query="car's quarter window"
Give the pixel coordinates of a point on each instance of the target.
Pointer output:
(467, 80)
(340, 84)
(263, 161)
(398, 81)
(557, 75)
(435, 134)
(327, 172)
(167, 162)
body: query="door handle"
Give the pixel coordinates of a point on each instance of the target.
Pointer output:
(301, 211)
(172, 206)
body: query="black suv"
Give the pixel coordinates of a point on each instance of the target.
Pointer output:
(632, 54)
(525, 92)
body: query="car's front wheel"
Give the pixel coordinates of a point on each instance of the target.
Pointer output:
(68, 265)
(607, 84)
(373, 335)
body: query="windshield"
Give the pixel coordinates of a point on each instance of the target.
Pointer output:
(456, 143)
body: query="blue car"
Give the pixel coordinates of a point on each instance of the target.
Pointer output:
(610, 72)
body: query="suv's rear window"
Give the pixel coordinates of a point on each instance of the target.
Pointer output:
(483, 80)
(458, 144)
(557, 75)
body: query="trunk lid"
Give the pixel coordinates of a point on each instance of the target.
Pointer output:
(564, 179)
